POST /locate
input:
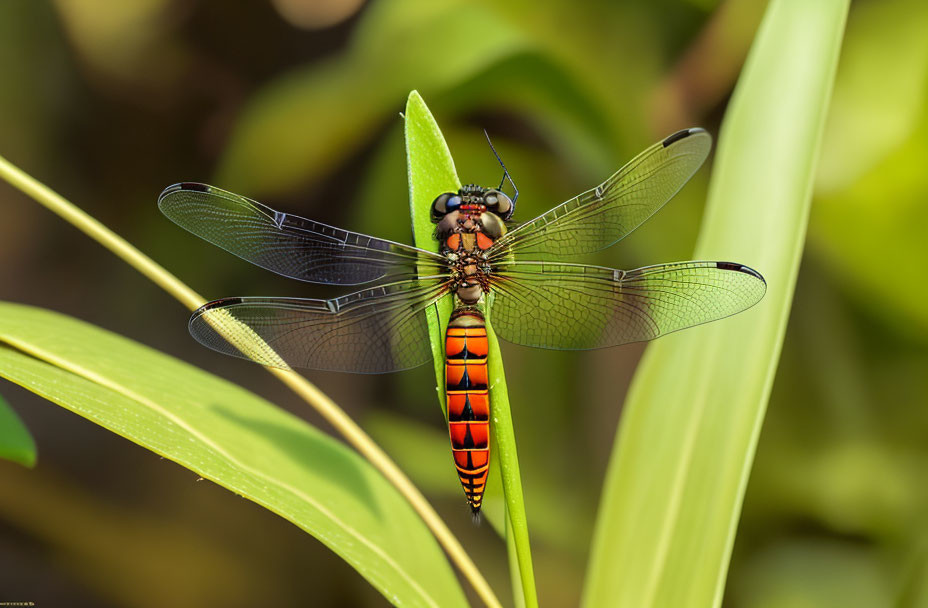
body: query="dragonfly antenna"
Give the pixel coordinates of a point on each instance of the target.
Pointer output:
(506, 174)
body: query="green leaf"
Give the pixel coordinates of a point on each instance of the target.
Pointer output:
(234, 438)
(678, 473)
(16, 443)
(431, 172)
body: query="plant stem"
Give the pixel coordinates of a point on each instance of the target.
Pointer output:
(514, 569)
(516, 521)
(342, 423)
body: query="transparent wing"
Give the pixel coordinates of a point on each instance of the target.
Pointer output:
(376, 330)
(577, 307)
(288, 244)
(604, 215)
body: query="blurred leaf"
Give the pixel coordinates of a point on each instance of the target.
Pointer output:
(704, 75)
(680, 465)
(814, 574)
(431, 172)
(607, 48)
(234, 438)
(303, 125)
(914, 588)
(873, 236)
(546, 95)
(880, 90)
(829, 455)
(16, 443)
(35, 84)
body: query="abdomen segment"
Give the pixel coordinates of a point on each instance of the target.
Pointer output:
(468, 401)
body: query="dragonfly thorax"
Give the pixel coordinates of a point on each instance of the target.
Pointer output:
(466, 229)
(470, 274)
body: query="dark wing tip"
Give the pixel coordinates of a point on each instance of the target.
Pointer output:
(683, 134)
(220, 303)
(736, 267)
(189, 186)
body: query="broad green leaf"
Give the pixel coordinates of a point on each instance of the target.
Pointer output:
(234, 438)
(678, 473)
(431, 172)
(16, 443)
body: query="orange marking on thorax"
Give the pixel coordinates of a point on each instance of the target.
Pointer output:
(483, 241)
(454, 241)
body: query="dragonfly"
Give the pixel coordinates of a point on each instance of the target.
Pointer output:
(518, 275)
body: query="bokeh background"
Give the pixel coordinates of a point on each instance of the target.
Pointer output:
(296, 103)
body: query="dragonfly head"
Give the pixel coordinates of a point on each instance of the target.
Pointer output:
(473, 200)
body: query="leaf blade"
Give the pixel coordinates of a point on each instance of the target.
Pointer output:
(431, 171)
(692, 419)
(16, 442)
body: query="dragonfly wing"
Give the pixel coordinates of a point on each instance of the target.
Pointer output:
(604, 215)
(290, 245)
(376, 330)
(578, 307)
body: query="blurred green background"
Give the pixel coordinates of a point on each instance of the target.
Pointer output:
(296, 102)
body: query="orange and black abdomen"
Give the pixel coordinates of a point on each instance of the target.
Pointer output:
(468, 401)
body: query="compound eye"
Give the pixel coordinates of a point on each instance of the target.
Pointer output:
(498, 203)
(445, 204)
